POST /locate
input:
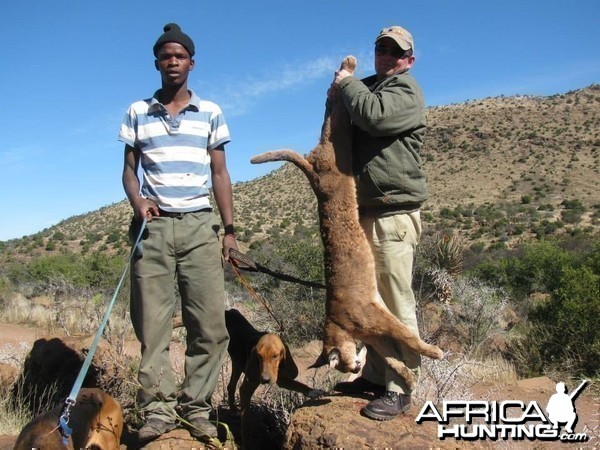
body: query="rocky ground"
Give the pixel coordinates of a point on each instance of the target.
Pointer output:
(334, 421)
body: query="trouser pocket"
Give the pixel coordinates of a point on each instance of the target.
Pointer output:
(134, 231)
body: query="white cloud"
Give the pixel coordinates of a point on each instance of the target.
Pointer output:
(17, 158)
(238, 96)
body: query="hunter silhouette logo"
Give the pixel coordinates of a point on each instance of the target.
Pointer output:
(509, 419)
(561, 408)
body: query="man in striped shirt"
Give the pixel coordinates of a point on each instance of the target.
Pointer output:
(176, 142)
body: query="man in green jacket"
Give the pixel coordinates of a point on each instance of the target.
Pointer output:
(388, 113)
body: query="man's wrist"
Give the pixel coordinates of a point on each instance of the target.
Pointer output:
(229, 230)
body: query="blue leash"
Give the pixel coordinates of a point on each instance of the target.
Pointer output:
(65, 430)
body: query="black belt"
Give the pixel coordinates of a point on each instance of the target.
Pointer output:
(179, 215)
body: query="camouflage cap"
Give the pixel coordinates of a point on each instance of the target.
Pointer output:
(402, 37)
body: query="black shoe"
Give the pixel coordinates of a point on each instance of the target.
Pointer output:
(387, 407)
(154, 428)
(359, 386)
(201, 428)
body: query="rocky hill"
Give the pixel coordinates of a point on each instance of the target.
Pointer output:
(500, 170)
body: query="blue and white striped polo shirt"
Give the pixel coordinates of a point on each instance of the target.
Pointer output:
(174, 150)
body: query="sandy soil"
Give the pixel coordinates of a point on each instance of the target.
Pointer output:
(16, 334)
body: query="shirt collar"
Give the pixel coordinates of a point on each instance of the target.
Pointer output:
(156, 104)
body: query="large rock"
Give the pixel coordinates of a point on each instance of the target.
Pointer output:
(53, 364)
(336, 422)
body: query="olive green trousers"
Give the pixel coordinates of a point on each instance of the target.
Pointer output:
(186, 251)
(393, 240)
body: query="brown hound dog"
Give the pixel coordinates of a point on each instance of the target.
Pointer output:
(96, 420)
(263, 358)
(352, 311)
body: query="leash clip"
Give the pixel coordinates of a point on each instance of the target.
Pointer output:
(65, 429)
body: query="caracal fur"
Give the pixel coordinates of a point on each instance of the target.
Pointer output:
(352, 311)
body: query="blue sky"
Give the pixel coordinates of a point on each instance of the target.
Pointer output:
(71, 68)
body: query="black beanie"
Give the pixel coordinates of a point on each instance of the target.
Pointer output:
(173, 33)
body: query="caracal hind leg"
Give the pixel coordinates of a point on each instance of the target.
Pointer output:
(386, 350)
(389, 326)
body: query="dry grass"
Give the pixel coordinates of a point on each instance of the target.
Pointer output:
(72, 312)
(14, 415)
(454, 377)
(76, 312)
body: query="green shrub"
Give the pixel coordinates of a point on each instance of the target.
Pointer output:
(58, 236)
(99, 270)
(477, 247)
(535, 268)
(299, 309)
(571, 216)
(526, 199)
(114, 236)
(562, 333)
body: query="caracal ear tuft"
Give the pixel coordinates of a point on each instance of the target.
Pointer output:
(334, 357)
(361, 355)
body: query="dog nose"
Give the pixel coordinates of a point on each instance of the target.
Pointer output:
(265, 379)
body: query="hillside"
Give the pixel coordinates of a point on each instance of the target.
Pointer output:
(500, 169)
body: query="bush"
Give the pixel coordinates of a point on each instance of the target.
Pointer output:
(526, 199)
(535, 268)
(573, 211)
(571, 216)
(563, 333)
(298, 309)
(98, 270)
(475, 315)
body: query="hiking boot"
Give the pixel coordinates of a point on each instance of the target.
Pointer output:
(359, 386)
(387, 407)
(154, 428)
(201, 428)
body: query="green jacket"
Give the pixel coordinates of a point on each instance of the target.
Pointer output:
(389, 127)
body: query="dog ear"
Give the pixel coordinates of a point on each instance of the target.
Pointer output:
(252, 369)
(287, 363)
(320, 362)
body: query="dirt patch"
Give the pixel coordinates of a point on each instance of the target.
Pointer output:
(13, 334)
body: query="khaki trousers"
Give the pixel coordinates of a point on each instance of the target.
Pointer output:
(185, 250)
(393, 240)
